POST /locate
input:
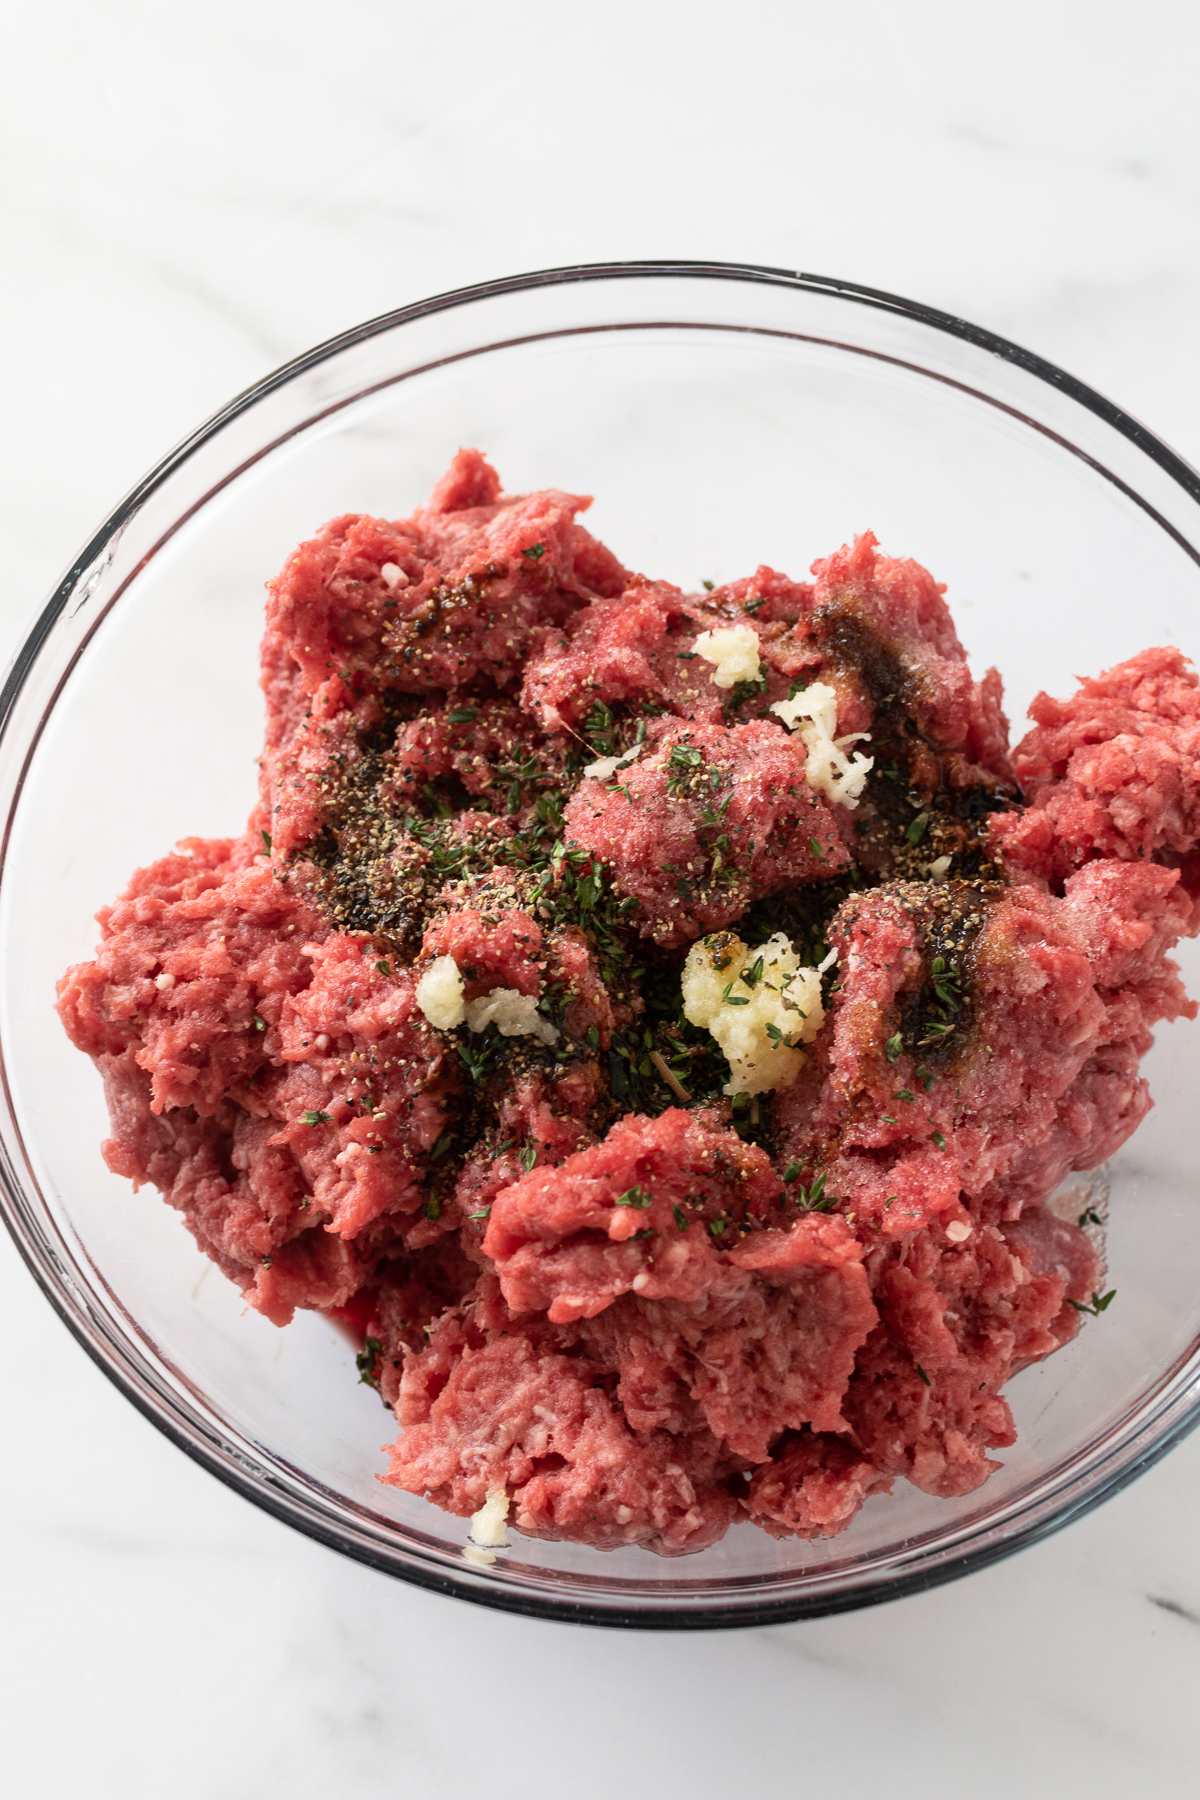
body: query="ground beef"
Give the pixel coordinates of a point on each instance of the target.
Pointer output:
(498, 773)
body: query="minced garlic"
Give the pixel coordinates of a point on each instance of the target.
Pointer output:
(512, 1013)
(813, 713)
(440, 994)
(440, 998)
(487, 1525)
(758, 1003)
(607, 766)
(733, 651)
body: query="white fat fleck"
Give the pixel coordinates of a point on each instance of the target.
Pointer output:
(760, 1026)
(487, 1525)
(958, 1231)
(607, 766)
(440, 994)
(394, 575)
(164, 981)
(483, 1559)
(513, 1014)
(940, 868)
(814, 714)
(733, 651)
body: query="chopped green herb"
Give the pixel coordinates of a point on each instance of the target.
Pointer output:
(266, 838)
(462, 715)
(1089, 1217)
(924, 1376)
(716, 1227)
(684, 757)
(529, 1157)
(485, 1214)
(793, 1171)
(1098, 1304)
(476, 1062)
(918, 828)
(383, 968)
(432, 1208)
(905, 1095)
(708, 586)
(366, 1361)
(893, 1047)
(535, 552)
(315, 1118)
(259, 1024)
(815, 1199)
(681, 1218)
(441, 1146)
(886, 1119)
(634, 1196)
(816, 848)
(937, 1138)
(797, 687)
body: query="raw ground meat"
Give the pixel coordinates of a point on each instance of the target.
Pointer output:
(585, 1278)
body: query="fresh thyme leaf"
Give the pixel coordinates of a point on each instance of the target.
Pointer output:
(441, 1146)
(266, 838)
(529, 1157)
(893, 1047)
(793, 1171)
(383, 968)
(681, 1218)
(462, 715)
(924, 1376)
(366, 1361)
(634, 1196)
(937, 1138)
(753, 975)
(918, 828)
(905, 1095)
(1099, 1303)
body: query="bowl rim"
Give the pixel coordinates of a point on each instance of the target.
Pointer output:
(151, 1396)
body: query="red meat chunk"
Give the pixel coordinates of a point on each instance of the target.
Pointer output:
(705, 822)
(1112, 772)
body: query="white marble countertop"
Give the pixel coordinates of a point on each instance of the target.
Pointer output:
(192, 195)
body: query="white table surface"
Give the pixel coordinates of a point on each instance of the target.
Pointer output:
(191, 195)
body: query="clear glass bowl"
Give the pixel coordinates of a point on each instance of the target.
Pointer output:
(723, 416)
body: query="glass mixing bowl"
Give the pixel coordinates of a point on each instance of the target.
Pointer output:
(723, 416)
